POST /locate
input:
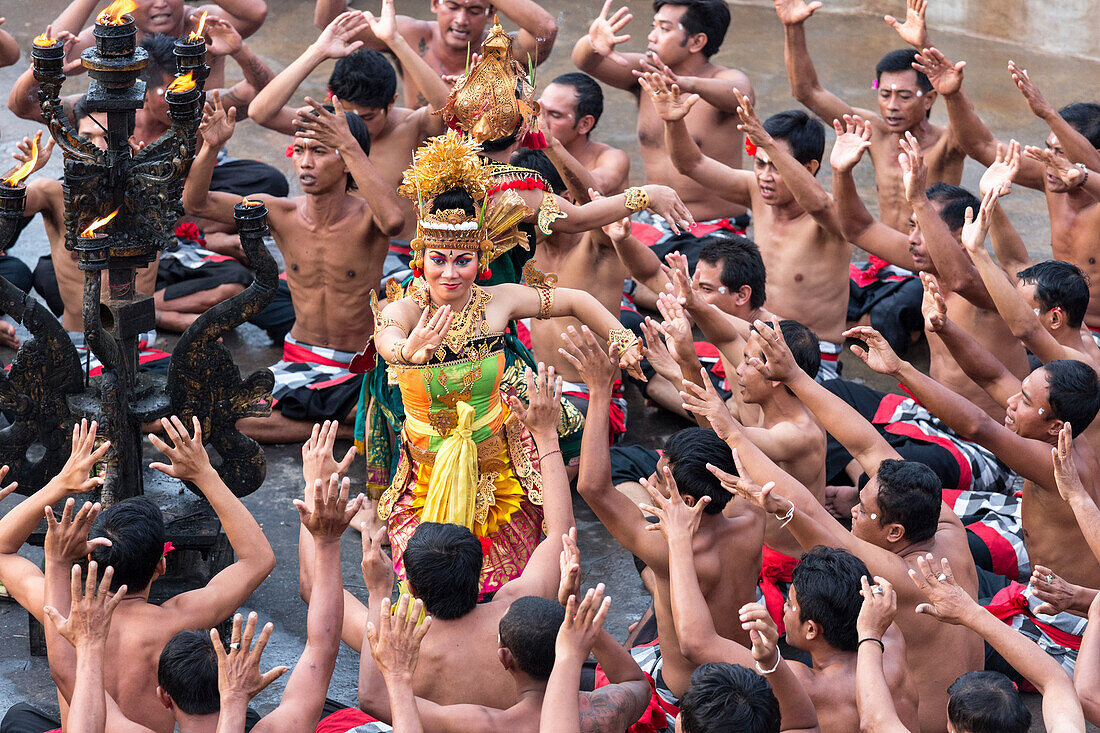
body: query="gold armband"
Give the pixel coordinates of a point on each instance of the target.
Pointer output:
(549, 212)
(624, 338)
(546, 302)
(544, 284)
(380, 321)
(636, 198)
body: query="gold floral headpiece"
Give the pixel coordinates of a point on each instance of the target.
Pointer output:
(497, 96)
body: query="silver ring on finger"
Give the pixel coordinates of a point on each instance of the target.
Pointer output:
(1050, 577)
(941, 577)
(235, 645)
(877, 590)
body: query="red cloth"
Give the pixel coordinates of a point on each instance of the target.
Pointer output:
(1011, 602)
(648, 234)
(343, 720)
(658, 714)
(777, 568)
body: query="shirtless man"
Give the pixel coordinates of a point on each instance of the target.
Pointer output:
(333, 244)
(443, 563)
(140, 630)
(900, 517)
(460, 26)
(366, 84)
(1074, 212)
(932, 246)
(726, 545)
(1061, 392)
(795, 221)
(905, 99)
(685, 35)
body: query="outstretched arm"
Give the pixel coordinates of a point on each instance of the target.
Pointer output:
(1073, 491)
(874, 701)
(216, 128)
(1075, 145)
(801, 73)
(1086, 675)
(595, 53)
(537, 29)
(9, 48)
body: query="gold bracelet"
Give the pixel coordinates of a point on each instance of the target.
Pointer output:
(624, 338)
(546, 302)
(636, 198)
(398, 351)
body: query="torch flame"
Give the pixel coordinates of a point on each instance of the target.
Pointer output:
(183, 83)
(248, 202)
(98, 224)
(44, 40)
(114, 12)
(197, 33)
(25, 170)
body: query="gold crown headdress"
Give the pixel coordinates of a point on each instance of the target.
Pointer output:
(450, 161)
(496, 97)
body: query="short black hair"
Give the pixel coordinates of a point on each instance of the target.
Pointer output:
(81, 109)
(827, 584)
(162, 58)
(1059, 284)
(589, 95)
(529, 630)
(538, 161)
(909, 493)
(741, 263)
(1074, 394)
(954, 201)
(358, 130)
(987, 702)
(804, 346)
(135, 527)
(501, 143)
(805, 134)
(1085, 118)
(711, 17)
(443, 566)
(188, 672)
(728, 698)
(688, 452)
(901, 60)
(365, 78)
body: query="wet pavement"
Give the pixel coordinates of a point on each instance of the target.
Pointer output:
(845, 47)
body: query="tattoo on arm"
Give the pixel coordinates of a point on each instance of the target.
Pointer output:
(422, 47)
(610, 708)
(258, 72)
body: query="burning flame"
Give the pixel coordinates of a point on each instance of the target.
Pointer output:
(114, 12)
(98, 224)
(249, 202)
(44, 40)
(25, 170)
(183, 83)
(197, 33)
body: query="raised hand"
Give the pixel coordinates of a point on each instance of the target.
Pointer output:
(223, 39)
(90, 612)
(932, 306)
(8, 339)
(595, 366)
(426, 336)
(664, 201)
(793, 12)
(327, 128)
(189, 461)
(1036, 102)
(998, 176)
(1054, 591)
(73, 477)
(336, 40)
(669, 102)
(778, 362)
(948, 602)
(763, 634)
(685, 289)
(1058, 165)
(750, 124)
(852, 138)
(218, 123)
(708, 404)
(543, 408)
(974, 229)
(880, 606)
(24, 151)
(657, 351)
(395, 642)
(317, 458)
(1065, 468)
(239, 673)
(877, 355)
(617, 231)
(582, 624)
(377, 568)
(603, 33)
(328, 512)
(677, 518)
(384, 26)
(676, 327)
(762, 497)
(913, 31)
(945, 77)
(570, 564)
(67, 540)
(6, 491)
(914, 173)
